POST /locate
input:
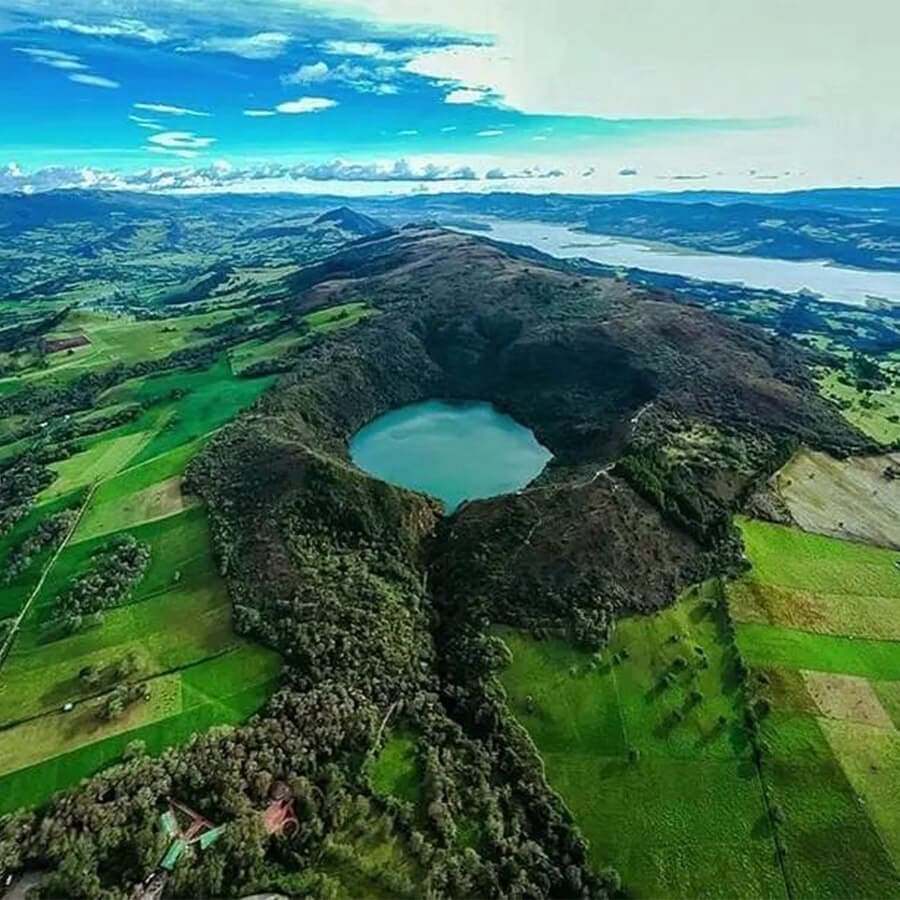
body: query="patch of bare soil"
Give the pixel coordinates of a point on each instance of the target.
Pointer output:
(847, 697)
(857, 498)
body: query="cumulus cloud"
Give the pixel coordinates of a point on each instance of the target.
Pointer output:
(305, 105)
(353, 48)
(124, 28)
(264, 45)
(365, 79)
(466, 95)
(260, 113)
(170, 110)
(317, 71)
(222, 176)
(93, 80)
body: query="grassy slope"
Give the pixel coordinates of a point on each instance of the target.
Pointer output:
(225, 690)
(688, 817)
(177, 627)
(828, 775)
(322, 321)
(874, 414)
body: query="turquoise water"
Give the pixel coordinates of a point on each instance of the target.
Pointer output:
(453, 451)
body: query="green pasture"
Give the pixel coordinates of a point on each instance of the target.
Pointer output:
(179, 543)
(656, 771)
(833, 848)
(792, 559)
(812, 605)
(168, 631)
(873, 412)
(134, 496)
(770, 646)
(103, 459)
(395, 770)
(322, 321)
(220, 691)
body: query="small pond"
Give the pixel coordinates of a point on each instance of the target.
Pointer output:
(454, 451)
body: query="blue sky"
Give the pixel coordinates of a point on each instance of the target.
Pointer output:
(575, 96)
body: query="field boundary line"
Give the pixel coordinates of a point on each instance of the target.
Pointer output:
(198, 501)
(774, 826)
(175, 670)
(17, 624)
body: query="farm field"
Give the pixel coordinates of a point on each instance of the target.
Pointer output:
(171, 641)
(847, 498)
(818, 623)
(646, 748)
(877, 413)
(322, 321)
(111, 340)
(224, 690)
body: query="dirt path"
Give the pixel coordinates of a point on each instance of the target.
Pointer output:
(23, 612)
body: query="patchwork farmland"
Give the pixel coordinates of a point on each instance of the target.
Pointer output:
(757, 721)
(167, 645)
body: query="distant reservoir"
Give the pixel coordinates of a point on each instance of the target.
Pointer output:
(451, 450)
(825, 279)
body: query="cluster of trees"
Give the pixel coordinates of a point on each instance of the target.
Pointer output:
(20, 482)
(50, 532)
(116, 567)
(120, 698)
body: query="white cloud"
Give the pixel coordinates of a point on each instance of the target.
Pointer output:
(317, 71)
(365, 79)
(488, 132)
(305, 105)
(142, 122)
(126, 28)
(264, 45)
(448, 128)
(466, 95)
(353, 48)
(94, 80)
(408, 132)
(170, 110)
(180, 140)
(54, 58)
(259, 113)
(220, 175)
